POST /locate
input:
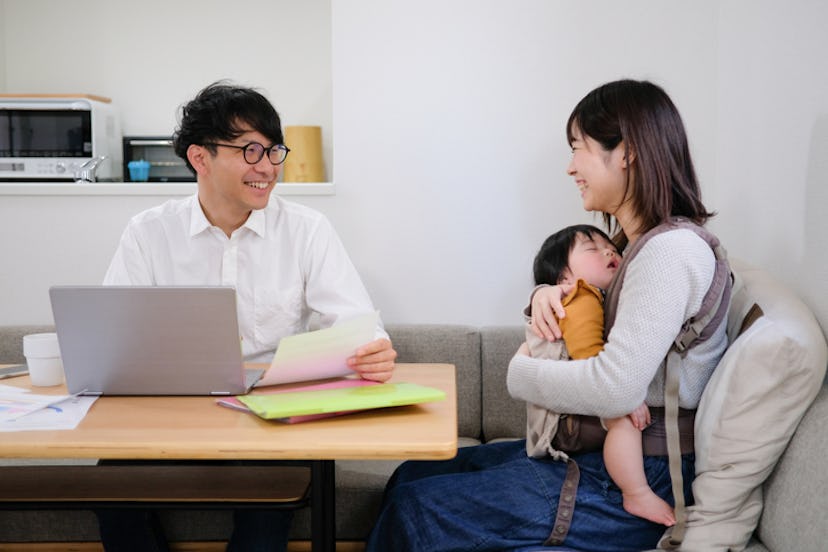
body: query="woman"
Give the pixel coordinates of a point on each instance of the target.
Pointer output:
(631, 162)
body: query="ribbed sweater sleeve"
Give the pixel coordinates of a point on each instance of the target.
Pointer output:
(664, 286)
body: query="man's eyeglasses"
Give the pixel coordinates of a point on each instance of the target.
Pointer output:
(254, 151)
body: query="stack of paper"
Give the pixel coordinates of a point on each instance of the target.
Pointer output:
(324, 354)
(338, 400)
(21, 410)
(235, 402)
(320, 354)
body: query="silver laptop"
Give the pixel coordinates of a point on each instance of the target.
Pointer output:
(137, 340)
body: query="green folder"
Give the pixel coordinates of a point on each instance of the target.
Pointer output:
(340, 399)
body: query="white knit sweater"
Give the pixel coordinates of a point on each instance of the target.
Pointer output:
(664, 286)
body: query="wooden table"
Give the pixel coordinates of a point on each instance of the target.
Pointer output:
(193, 428)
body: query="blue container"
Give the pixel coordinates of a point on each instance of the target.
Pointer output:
(139, 170)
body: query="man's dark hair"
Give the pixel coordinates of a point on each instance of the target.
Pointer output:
(222, 112)
(553, 257)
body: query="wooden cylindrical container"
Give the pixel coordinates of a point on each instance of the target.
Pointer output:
(304, 163)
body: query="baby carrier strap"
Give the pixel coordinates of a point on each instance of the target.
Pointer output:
(700, 327)
(695, 330)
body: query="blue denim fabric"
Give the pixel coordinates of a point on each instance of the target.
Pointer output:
(495, 498)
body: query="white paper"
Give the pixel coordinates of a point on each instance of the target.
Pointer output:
(24, 411)
(320, 354)
(6, 389)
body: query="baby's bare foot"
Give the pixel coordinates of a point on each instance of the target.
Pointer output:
(645, 503)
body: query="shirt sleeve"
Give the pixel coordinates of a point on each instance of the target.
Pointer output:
(333, 288)
(664, 285)
(129, 266)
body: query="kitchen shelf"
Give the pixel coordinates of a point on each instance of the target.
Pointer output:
(144, 188)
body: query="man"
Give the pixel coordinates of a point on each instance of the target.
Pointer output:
(284, 260)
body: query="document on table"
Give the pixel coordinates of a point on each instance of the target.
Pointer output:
(21, 410)
(320, 354)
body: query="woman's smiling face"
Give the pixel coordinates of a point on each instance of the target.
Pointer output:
(601, 175)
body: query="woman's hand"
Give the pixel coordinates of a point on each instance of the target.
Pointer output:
(547, 309)
(374, 361)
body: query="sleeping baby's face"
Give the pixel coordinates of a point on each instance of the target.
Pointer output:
(592, 259)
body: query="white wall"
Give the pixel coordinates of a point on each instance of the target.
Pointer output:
(450, 132)
(2, 48)
(450, 150)
(772, 140)
(151, 56)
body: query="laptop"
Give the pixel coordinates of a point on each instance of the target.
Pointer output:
(150, 340)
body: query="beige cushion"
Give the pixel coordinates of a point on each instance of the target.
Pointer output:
(750, 409)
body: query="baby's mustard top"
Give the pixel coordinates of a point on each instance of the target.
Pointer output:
(583, 325)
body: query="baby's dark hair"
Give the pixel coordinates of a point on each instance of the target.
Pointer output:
(553, 257)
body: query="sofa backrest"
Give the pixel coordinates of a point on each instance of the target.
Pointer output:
(795, 497)
(503, 416)
(452, 344)
(11, 342)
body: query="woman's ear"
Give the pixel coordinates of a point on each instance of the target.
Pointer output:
(197, 155)
(629, 156)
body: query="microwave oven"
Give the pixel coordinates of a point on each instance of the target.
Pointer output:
(49, 138)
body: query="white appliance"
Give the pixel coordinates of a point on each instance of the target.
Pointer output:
(61, 137)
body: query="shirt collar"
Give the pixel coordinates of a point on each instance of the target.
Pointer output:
(199, 223)
(198, 220)
(256, 222)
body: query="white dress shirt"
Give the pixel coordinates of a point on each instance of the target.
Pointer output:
(286, 262)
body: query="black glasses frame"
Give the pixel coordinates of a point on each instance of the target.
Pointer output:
(248, 153)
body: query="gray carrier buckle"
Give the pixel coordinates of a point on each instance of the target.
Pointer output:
(689, 333)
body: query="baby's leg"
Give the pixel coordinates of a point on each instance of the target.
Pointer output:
(624, 459)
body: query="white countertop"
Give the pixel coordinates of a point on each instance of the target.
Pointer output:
(145, 188)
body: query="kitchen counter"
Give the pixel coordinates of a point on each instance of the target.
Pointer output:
(144, 188)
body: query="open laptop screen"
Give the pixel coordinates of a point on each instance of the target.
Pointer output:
(149, 340)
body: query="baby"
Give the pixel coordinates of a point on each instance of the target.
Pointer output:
(583, 258)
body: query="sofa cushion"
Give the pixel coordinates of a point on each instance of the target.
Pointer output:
(795, 493)
(749, 410)
(504, 417)
(452, 344)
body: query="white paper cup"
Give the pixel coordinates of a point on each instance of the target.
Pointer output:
(43, 358)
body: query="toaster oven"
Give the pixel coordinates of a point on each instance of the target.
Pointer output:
(164, 164)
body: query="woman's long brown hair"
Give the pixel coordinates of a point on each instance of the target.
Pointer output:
(663, 181)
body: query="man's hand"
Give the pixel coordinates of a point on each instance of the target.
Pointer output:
(374, 361)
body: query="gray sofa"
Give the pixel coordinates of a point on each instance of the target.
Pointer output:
(795, 497)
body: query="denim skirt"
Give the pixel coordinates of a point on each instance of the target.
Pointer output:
(494, 497)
